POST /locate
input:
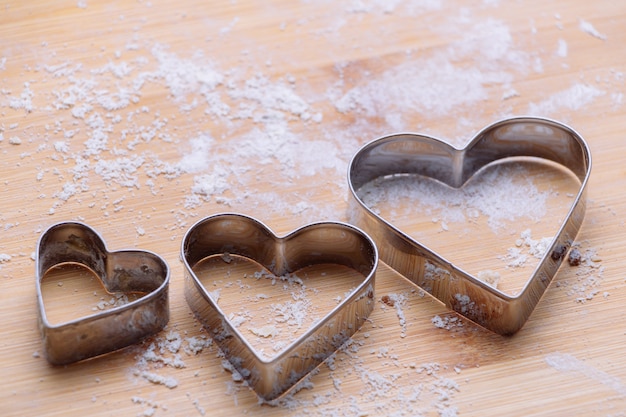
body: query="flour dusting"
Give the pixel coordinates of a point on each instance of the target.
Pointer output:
(564, 362)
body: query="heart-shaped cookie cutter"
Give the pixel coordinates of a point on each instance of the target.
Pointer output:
(317, 243)
(127, 271)
(415, 154)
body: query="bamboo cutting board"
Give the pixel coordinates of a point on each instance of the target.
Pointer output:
(140, 118)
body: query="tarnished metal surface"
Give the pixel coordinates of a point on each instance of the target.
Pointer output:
(125, 271)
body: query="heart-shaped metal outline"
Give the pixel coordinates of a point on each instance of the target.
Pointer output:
(120, 271)
(407, 153)
(316, 243)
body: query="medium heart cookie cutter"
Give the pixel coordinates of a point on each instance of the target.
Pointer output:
(316, 243)
(127, 271)
(415, 154)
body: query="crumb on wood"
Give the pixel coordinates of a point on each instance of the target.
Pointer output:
(575, 257)
(388, 300)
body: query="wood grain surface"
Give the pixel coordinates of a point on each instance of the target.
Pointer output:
(141, 117)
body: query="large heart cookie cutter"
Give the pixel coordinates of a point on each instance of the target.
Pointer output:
(125, 271)
(316, 243)
(415, 154)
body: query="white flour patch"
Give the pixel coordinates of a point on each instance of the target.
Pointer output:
(576, 97)
(197, 155)
(564, 362)
(393, 6)
(440, 84)
(279, 157)
(184, 77)
(524, 247)
(561, 50)
(435, 86)
(266, 100)
(591, 30)
(503, 194)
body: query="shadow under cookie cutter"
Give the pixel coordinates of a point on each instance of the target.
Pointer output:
(127, 271)
(415, 154)
(316, 243)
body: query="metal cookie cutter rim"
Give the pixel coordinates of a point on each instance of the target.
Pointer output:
(126, 271)
(315, 243)
(408, 153)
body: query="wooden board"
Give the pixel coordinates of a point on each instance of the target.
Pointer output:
(140, 118)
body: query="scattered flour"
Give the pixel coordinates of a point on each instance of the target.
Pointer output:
(590, 29)
(439, 84)
(293, 313)
(447, 322)
(589, 275)
(397, 388)
(502, 194)
(264, 331)
(561, 50)
(164, 352)
(576, 97)
(564, 362)
(169, 382)
(398, 302)
(115, 300)
(105, 118)
(490, 277)
(150, 406)
(524, 247)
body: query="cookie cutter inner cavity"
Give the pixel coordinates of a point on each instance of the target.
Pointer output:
(416, 154)
(125, 271)
(318, 243)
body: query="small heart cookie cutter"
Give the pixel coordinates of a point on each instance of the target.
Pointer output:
(127, 271)
(415, 154)
(316, 243)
